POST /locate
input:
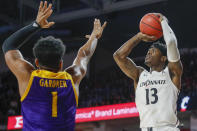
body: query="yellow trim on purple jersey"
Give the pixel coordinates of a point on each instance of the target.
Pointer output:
(73, 85)
(28, 87)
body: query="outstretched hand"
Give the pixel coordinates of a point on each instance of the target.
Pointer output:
(146, 38)
(98, 29)
(44, 13)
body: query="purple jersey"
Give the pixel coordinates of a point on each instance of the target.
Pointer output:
(49, 102)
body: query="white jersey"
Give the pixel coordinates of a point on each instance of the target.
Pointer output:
(156, 99)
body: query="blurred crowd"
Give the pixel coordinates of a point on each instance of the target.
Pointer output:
(109, 86)
(9, 96)
(189, 78)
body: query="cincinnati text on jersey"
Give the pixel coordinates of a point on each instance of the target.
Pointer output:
(152, 82)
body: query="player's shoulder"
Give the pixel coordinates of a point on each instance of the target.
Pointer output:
(71, 69)
(75, 70)
(142, 70)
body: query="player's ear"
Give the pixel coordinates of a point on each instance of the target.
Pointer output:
(36, 62)
(61, 65)
(164, 59)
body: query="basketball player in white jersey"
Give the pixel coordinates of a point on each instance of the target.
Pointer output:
(156, 90)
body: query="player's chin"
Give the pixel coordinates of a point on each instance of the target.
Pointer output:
(148, 63)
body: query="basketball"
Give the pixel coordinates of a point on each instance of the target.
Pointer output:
(151, 25)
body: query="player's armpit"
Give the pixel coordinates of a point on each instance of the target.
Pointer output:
(76, 72)
(176, 70)
(128, 67)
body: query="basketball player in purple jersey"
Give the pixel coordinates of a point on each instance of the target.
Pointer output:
(49, 96)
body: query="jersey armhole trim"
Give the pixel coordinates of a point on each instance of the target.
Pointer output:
(28, 88)
(73, 86)
(139, 78)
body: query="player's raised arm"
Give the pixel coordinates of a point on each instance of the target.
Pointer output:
(13, 57)
(175, 65)
(79, 67)
(124, 62)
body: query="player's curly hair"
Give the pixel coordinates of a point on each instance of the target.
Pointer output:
(49, 51)
(162, 47)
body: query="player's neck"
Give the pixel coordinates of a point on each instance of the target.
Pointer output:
(157, 68)
(49, 69)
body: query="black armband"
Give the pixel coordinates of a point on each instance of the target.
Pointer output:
(17, 39)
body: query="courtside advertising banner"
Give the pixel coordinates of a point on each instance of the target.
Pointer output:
(108, 112)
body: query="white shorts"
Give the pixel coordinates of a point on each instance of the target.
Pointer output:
(163, 128)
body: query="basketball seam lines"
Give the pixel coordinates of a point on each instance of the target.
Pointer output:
(152, 26)
(155, 19)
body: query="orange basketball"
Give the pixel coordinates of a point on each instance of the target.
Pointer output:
(151, 25)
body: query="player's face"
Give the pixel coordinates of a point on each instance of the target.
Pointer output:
(153, 57)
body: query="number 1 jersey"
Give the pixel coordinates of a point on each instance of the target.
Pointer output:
(49, 102)
(156, 99)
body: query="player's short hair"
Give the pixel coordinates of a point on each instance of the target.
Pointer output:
(49, 51)
(162, 47)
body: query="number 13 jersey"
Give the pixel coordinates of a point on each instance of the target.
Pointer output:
(156, 99)
(49, 102)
